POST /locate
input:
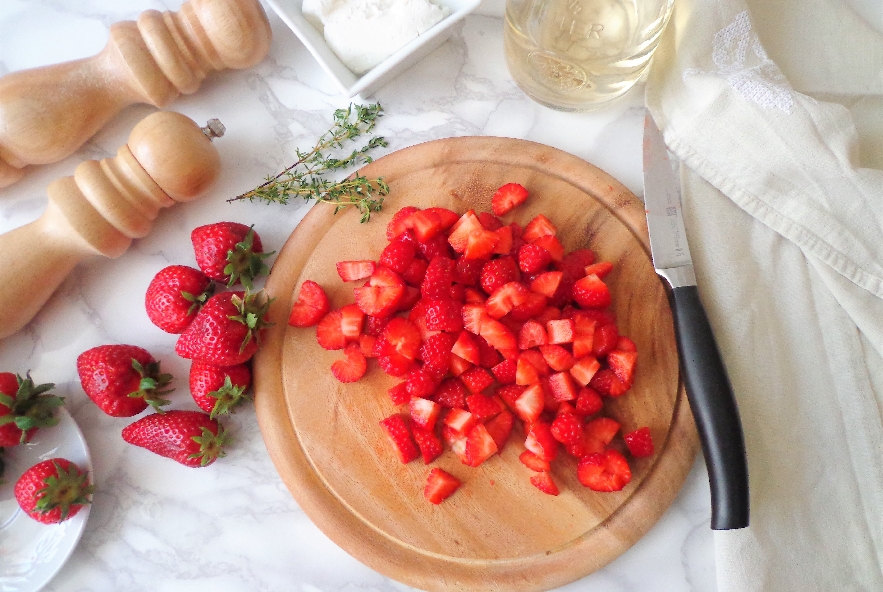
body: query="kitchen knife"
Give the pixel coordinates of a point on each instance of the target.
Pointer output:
(708, 388)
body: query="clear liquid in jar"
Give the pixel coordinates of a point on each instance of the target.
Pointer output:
(577, 55)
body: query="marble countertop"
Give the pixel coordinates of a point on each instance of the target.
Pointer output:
(234, 526)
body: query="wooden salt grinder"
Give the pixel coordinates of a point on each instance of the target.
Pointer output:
(167, 160)
(47, 113)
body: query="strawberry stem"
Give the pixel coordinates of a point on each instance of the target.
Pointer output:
(32, 407)
(70, 488)
(151, 381)
(211, 446)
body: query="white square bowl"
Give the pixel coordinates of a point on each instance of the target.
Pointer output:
(351, 84)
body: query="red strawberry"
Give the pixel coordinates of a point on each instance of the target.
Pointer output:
(498, 335)
(400, 336)
(532, 334)
(561, 387)
(426, 224)
(229, 252)
(471, 239)
(543, 481)
(24, 407)
(489, 221)
(396, 430)
(558, 358)
(447, 217)
(440, 485)
(397, 226)
(540, 440)
(311, 305)
(436, 353)
(218, 389)
(525, 372)
(188, 437)
(398, 256)
(534, 462)
(482, 406)
(474, 317)
(480, 446)
(530, 308)
(451, 393)
(600, 269)
(394, 364)
(488, 355)
(546, 283)
(329, 332)
(560, 331)
(591, 292)
(499, 427)
(538, 227)
(552, 245)
(399, 394)
(437, 281)
(498, 272)
(604, 471)
(122, 379)
(477, 379)
(421, 382)
(533, 258)
(529, 404)
(351, 271)
(424, 412)
(53, 491)
(567, 428)
(460, 420)
(584, 370)
(174, 296)
(227, 330)
(505, 241)
(467, 348)
(625, 344)
(351, 320)
(352, 367)
(607, 383)
(623, 365)
(429, 444)
(505, 371)
(415, 272)
(605, 339)
(508, 197)
(444, 315)
(588, 402)
(639, 442)
(505, 298)
(602, 429)
(381, 295)
(468, 271)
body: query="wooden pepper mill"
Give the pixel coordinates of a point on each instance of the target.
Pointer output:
(168, 159)
(47, 113)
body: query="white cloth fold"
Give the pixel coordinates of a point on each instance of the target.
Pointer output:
(786, 231)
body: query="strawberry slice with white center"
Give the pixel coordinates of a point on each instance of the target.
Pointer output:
(498, 335)
(460, 420)
(311, 305)
(396, 430)
(440, 485)
(525, 373)
(546, 283)
(505, 298)
(562, 387)
(558, 358)
(352, 367)
(500, 427)
(508, 197)
(467, 348)
(351, 271)
(623, 365)
(400, 336)
(540, 440)
(538, 227)
(585, 369)
(529, 404)
(480, 446)
(424, 412)
(604, 471)
(351, 320)
(471, 239)
(532, 334)
(534, 462)
(591, 292)
(381, 295)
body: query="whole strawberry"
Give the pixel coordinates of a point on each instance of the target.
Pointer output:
(53, 491)
(191, 438)
(218, 389)
(24, 407)
(229, 252)
(174, 296)
(122, 379)
(226, 331)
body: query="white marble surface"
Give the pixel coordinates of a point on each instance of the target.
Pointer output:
(162, 527)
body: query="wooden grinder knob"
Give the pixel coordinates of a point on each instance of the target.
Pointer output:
(102, 207)
(47, 113)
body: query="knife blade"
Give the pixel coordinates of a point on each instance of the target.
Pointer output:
(708, 388)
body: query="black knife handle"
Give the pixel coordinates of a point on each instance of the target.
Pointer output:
(714, 408)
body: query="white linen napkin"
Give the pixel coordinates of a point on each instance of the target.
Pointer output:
(786, 231)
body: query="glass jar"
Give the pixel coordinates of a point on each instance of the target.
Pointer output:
(576, 55)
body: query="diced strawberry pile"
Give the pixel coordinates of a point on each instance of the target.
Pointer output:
(486, 324)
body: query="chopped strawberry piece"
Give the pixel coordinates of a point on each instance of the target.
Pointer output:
(552, 245)
(529, 404)
(415, 272)
(602, 429)
(402, 337)
(561, 387)
(510, 393)
(623, 365)
(409, 298)
(550, 313)
(497, 334)
(539, 226)
(498, 272)
(399, 394)
(438, 279)
(447, 217)
(396, 430)
(454, 440)
(466, 348)
(530, 308)
(429, 444)
(425, 223)
(459, 365)
(567, 428)
(625, 344)
(367, 344)
(471, 239)
(350, 271)
(351, 320)
(540, 440)
(607, 383)
(421, 382)
(558, 358)
(451, 394)
(393, 364)
(397, 226)
(480, 446)
(474, 317)
(482, 406)
(436, 353)
(584, 321)
(468, 271)
(489, 221)
(566, 407)
(585, 446)
(525, 372)
(582, 345)
(477, 379)
(560, 331)
(424, 412)
(380, 297)
(458, 293)
(474, 296)
(546, 283)
(543, 481)
(532, 334)
(591, 292)
(605, 339)
(504, 240)
(588, 402)
(374, 325)
(534, 462)
(574, 263)
(460, 420)
(439, 486)
(505, 298)
(435, 247)
(444, 315)
(508, 197)
(500, 427)
(584, 369)
(397, 256)
(605, 471)
(329, 332)
(533, 258)
(600, 269)
(505, 371)
(311, 305)
(489, 356)
(352, 367)
(639, 442)
(536, 360)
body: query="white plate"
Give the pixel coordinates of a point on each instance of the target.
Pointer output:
(31, 553)
(351, 84)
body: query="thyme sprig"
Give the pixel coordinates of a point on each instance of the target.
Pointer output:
(306, 177)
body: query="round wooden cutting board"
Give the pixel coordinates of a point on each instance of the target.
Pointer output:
(497, 532)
